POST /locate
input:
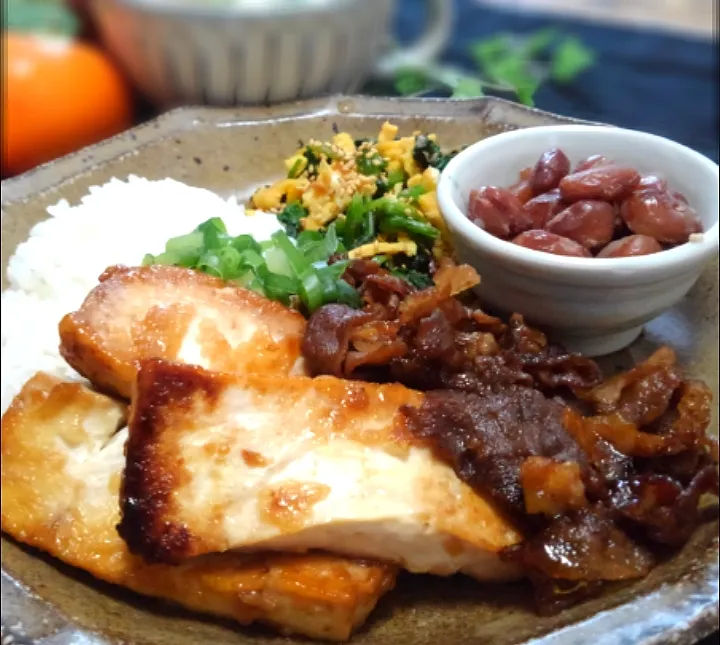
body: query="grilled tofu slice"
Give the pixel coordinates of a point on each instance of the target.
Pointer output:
(219, 462)
(61, 469)
(176, 314)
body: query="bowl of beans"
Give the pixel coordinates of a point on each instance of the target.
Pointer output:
(589, 231)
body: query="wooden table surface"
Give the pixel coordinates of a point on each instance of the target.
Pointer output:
(685, 16)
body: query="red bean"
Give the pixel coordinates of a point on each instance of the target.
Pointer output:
(590, 223)
(660, 215)
(525, 173)
(552, 166)
(656, 182)
(550, 243)
(543, 208)
(484, 215)
(522, 190)
(630, 246)
(498, 211)
(609, 183)
(593, 161)
(679, 196)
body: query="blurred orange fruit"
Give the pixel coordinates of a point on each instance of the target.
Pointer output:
(59, 95)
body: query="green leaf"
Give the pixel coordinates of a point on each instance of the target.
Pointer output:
(468, 88)
(417, 279)
(525, 95)
(290, 218)
(511, 71)
(370, 164)
(410, 82)
(537, 43)
(492, 49)
(569, 59)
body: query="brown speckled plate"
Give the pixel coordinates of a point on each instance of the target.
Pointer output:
(232, 151)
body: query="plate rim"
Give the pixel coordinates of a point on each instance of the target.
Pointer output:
(45, 176)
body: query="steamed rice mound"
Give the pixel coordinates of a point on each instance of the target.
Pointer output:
(52, 272)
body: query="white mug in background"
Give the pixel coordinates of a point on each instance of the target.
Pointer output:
(226, 52)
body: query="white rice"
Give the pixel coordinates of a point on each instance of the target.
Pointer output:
(117, 223)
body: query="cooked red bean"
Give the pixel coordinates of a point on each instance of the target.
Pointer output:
(661, 216)
(653, 181)
(552, 166)
(508, 218)
(679, 196)
(482, 213)
(526, 173)
(522, 190)
(609, 183)
(630, 246)
(551, 243)
(593, 161)
(543, 208)
(590, 223)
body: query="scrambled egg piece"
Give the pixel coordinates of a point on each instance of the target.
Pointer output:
(379, 246)
(273, 197)
(398, 152)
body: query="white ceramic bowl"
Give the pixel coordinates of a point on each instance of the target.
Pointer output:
(591, 305)
(227, 52)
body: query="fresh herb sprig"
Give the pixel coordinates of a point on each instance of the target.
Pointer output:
(506, 64)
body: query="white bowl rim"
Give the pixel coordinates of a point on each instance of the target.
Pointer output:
(220, 12)
(679, 257)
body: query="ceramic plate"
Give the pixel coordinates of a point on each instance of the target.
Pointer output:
(232, 151)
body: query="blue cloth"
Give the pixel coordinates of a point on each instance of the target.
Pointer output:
(643, 79)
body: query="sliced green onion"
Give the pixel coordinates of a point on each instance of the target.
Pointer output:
(295, 258)
(277, 287)
(184, 242)
(244, 243)
(412, 193)
(340, 223)
(347, 295)
(353, 218)
(307, 237)
(311, 290)
(334, 271)
(397, 176)
(211, 264)
(296, 169)
(245, 278)
(277, 261)
(214, 232)
(230, 262)
(405, 224)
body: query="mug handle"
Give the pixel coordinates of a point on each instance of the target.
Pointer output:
(426, 48)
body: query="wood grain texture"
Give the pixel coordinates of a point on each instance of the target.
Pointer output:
(686, 16)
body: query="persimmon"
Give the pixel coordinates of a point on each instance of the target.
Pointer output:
(60, 95)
